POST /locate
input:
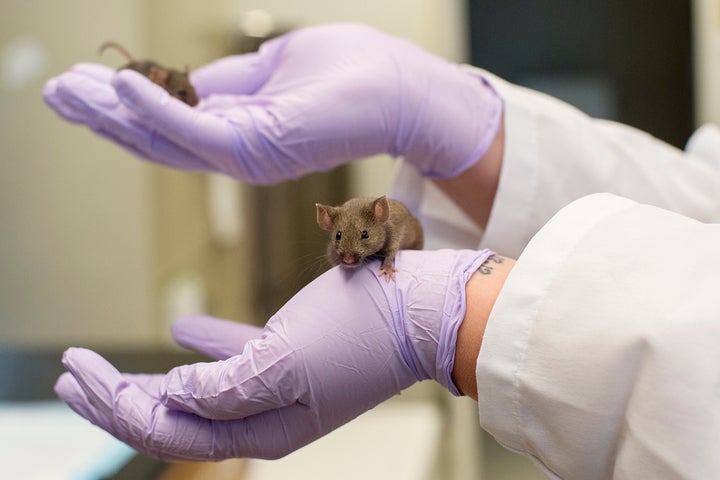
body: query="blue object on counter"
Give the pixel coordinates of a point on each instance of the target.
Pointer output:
(45, 440)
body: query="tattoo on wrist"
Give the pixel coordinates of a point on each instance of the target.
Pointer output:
(487, 267)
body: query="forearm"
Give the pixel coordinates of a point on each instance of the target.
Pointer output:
(481, 291)
(474, 189)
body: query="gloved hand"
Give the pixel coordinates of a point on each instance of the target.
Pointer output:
(308, 101)
(342, 345)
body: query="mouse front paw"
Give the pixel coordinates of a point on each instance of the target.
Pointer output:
(388, 271)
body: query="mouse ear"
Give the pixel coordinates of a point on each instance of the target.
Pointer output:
(381, 209)
(324, 216)
(158, 75)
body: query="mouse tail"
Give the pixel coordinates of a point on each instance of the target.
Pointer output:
(116, 46)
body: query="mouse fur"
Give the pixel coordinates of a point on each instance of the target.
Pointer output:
(366, 227)
(175, 82)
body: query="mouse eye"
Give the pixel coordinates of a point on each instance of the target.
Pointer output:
(338, 235)
(182, 93)
(364, 234)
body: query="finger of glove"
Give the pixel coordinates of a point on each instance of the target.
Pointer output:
(136, 418)
(74, 395)
(98, 392)
(97, 404)
(177, 436)
(95, 71)
(55, 101)
(239, 74)
(94, 389)
(162, 153)
(262, 378)
(79, 92)
(205, 135)
(217, 338)
(62, 94)
(84, 95)
(153, 147)
(69, 390)
(238, 136)
(95, 104)
(147, 382)
(94, 374)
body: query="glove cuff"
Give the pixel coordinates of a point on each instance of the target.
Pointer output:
(453, 315)
(458, 134)
(428, 304)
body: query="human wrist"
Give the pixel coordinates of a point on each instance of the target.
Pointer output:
(481, 290)
(427, 304)
(474, 189)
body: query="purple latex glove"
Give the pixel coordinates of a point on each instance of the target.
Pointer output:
(308, 101)
(342, 345)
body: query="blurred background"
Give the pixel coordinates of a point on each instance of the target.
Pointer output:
(101, 250)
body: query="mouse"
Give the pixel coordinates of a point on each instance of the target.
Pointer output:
(368, 227)
(175, 82)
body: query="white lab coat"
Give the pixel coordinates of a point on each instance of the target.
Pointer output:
(601, 357)
(555, 154)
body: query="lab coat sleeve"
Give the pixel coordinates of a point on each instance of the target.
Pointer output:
(601, 357)
(555, 154)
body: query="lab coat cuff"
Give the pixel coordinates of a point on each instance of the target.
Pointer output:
(511, 323)
(510, 225)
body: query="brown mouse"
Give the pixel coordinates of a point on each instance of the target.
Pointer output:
(364, 227)
(176, 82)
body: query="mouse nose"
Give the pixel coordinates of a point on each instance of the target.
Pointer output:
(349, 259)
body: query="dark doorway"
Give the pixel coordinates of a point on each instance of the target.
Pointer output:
(625, 60)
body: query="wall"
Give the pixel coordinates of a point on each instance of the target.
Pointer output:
(706, 15)
(75, 249)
